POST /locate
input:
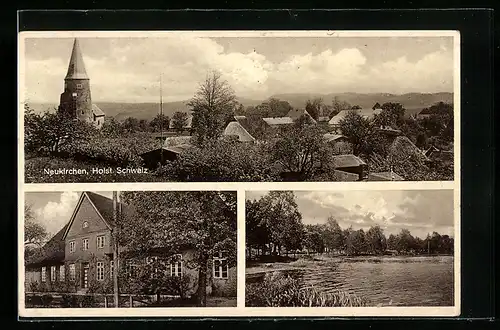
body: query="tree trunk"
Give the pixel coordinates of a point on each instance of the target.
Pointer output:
(202, 283)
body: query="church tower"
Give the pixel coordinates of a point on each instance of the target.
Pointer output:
(76, 100)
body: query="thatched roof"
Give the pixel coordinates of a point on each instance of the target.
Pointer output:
(273, 121)
(403, 149)
(367, 113)
(297, 113)
(234, 128)
(177, 140)
(343, 161)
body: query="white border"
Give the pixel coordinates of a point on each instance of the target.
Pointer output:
(240, 310)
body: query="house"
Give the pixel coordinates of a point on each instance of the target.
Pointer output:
(297, 113)
(425, 113)
(278, 121)
(80, 255)
(76, 99)
(235, 128)
(339, 143)
(350, 164)
(368, 113)
(171, 149)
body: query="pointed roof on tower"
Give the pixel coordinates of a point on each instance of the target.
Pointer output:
(76, 68)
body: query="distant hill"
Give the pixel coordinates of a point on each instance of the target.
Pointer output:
(409, 100)
(413, 102)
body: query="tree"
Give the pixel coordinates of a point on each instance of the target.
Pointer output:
(356, 107)
(283, 219)
(34, 232)
(313, 239)
(179, 120)
(333, 235)
(111, 128)
(314, 107)
(302, 151)
(357, 129)
(131, 125)
(338, 106)
(392, 115)
(257, 233)
(405, 241)
(376, 240)
(49, 132)
(205, 220)
(392, 242)
(355, 241)
(159, 123)
(212, 106)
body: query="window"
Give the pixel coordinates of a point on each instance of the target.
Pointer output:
(53, 273)
(74, 94)
(85, 243)
(85, 224)
(79, 86)
(100, 271)
(72, 272)
(44, 274)
(111, 268)
(131, 268)
(62, 273)
(72, 246)
(176, 265)
(220, 266)
(101, 240)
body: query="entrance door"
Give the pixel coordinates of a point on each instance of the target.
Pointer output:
(85, 283)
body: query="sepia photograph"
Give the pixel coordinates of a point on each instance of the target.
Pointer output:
(366, 248)
(237, 106)
(133, 249)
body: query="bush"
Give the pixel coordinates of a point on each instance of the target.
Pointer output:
(46, 300)
(69, 301)
(220, 161)
(278, 290)
(87, 301)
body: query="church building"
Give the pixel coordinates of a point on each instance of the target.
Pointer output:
(76, 100)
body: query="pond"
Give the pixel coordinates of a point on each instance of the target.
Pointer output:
(384, 281)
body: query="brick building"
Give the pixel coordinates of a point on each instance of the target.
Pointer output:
(76, 100)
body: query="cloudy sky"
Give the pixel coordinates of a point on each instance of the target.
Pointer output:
(128, 69)
(420, 211)
(54, 209)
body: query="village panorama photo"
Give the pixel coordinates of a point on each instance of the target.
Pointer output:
(368, 248)
(133, 249)
(238, 106)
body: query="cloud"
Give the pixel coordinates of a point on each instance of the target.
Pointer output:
(54, 215)
(129, 71)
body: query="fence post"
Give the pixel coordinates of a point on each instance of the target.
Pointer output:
(130, 301)
(105, 301)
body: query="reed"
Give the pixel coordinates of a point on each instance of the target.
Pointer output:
(278, 290)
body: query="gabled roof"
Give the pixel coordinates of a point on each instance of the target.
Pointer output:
(235, 128)
(97, 111)
(367, 113)
(427, 111)
(297, 113)
(189, 122)
(323, 118)
(278, 121)
(76, 67)
(103, 206)
(342, 161)
(51, 252)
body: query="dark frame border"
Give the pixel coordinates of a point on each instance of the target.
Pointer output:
(475, 26)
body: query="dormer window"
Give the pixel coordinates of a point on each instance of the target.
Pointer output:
(85, 224)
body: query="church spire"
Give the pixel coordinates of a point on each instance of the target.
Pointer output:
(76, 68)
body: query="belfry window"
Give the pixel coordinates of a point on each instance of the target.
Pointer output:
(74, 94)
(78, 86)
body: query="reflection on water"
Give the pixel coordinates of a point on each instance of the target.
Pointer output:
(400, 281)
